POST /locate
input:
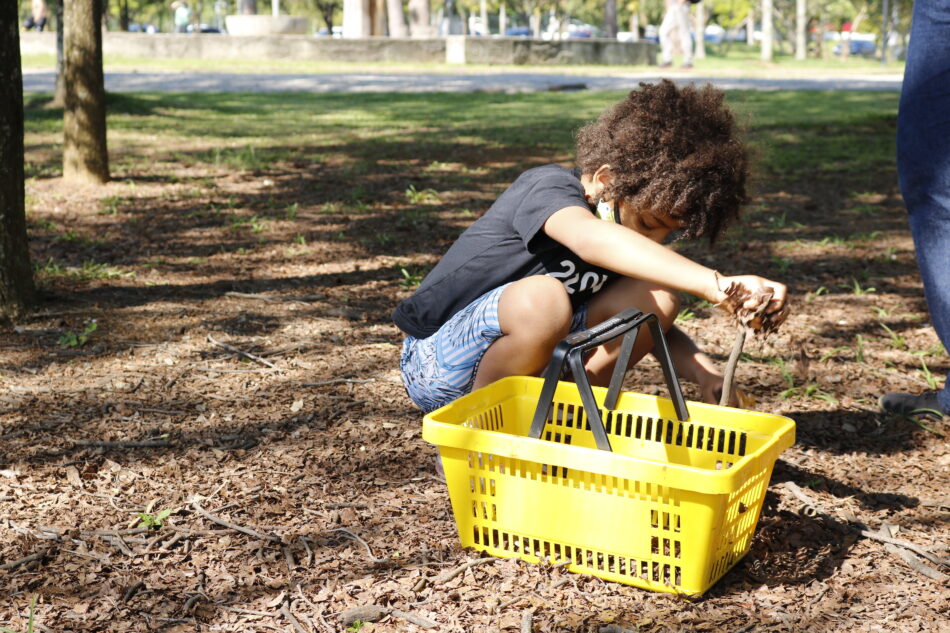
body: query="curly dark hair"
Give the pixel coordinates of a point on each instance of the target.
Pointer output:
(672, 150)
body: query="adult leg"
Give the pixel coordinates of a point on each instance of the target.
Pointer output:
(686, 43)
(923, 162)
(534, 313)
(621, 294)
(665, 35)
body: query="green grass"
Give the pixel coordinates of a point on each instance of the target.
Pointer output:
(830, 133)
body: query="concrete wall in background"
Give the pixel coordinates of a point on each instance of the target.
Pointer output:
(461, 49)
(454, 49)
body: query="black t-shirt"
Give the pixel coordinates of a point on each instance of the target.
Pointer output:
(504, 245)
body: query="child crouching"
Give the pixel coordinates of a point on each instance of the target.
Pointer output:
(564, 249)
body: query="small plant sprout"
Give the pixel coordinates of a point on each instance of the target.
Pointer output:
(685, 315)
(833, 353)
(897, 341)
(290, 213)
(932, 382)
(421, 196)
(355, 627)
(410, 279)
(783, 263)
(30, 618)
(881, 312)
(110, 205)
(820, 290)
(784, 370)
(859, 353)
(72, 339)
(809, 391)
(156, 520)
(856, 289)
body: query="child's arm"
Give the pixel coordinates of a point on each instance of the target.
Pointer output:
(623, 250)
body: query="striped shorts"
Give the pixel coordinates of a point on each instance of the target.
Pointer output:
(441, 368)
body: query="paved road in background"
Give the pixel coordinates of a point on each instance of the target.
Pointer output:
(504, 82)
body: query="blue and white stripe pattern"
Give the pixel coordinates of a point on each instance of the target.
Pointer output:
(438, 369)
(441, 368)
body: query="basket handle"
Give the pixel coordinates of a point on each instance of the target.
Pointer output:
(571, 350)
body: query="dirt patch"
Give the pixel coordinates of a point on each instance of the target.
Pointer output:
(218, 345)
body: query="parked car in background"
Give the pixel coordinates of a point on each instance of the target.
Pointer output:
(135, 27)
(203, 28)
(858, 47)
(518, 31)
(337, 32)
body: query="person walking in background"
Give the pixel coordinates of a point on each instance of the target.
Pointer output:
(923, 168)
(38, 16)
(182, 15)
(675, 29)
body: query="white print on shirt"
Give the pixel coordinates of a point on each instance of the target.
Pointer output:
(589, 281)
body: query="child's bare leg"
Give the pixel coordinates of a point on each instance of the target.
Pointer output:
(534, 313)
(618, 296)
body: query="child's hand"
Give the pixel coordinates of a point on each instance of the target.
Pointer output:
(758, 291)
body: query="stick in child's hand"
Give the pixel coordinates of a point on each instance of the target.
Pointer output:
(756, 320)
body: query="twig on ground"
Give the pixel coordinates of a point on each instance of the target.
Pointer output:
(353, 536)
(526, 621)
(863, 530)
(191, 602)
(363, 613)
(23, 561)
(449, 575)
(240, 528)
(914, 563)
(120, 544)
(510, 601)
(257, 297)
(418, 620)
(240, 352)
(131, 591)
(294, 622)
(336, 381)
(142, 444)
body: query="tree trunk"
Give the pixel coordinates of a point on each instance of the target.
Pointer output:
(750, 28)
(59, 95)
(420, 19)
(124, 15)
(699, 51)
(801, 39)
(16, 277)
(766, 53)
(85, 155)
(502, 19)
(397, 21)
(855, 23)
(610, 19)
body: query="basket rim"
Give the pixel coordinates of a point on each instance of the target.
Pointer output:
(440, 431)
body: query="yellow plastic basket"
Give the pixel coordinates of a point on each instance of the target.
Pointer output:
(671, 508)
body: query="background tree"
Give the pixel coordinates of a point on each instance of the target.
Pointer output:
(396, 19)
(420, 23)
(85, 154)
(328, 9)
(16, 277)
(610, 19)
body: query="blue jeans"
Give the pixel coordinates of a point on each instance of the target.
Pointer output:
(923, 158)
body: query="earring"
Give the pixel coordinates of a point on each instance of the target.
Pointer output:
(605, 210)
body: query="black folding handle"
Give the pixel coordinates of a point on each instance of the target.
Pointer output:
(571, 351)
